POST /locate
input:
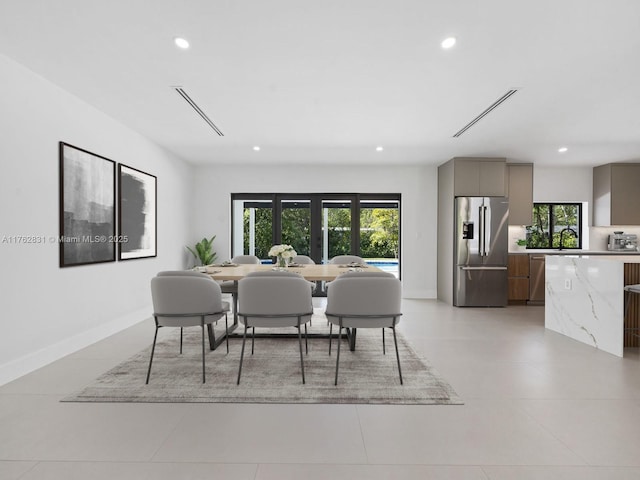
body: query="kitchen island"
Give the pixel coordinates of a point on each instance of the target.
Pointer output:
(584, 298)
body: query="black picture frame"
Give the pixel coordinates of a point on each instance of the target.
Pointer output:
(137, 214)
(87, 207)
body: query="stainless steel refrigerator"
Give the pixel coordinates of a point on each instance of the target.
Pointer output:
(481, 252)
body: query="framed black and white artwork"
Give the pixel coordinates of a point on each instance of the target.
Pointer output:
(137, 199)
(87, 207)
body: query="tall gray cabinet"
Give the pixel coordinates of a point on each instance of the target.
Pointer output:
(520, 193)
(460, 177)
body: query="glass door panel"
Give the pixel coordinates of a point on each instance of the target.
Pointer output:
(295, 225)
(321, 226)
(380, 234)
(253, 227)
(336, 229)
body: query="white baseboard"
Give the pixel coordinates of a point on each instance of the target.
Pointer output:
(32, 361)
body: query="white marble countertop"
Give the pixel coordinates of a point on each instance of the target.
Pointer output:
(549, 251)
(617, 258)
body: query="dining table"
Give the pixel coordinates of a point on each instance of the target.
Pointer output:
(310, 272)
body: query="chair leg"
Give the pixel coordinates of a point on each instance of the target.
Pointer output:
(203, 377)
(384, 351)
(226, 330)
(180, 340)
(244, 339)
(626, 301)
(338, 356)
(395, 340)
(235, 307)
(300, 345)
(330, 335)
(212, 336)
(153, 348)
(306, 341)
(253, 338)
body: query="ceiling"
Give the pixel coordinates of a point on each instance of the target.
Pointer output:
(326, 82)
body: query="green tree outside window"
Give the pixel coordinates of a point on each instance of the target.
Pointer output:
(553, 221)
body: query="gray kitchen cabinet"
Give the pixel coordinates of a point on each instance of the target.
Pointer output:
(479, 177)
(616, 194)
(520, 193)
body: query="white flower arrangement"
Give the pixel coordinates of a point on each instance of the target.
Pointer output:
(283, 251)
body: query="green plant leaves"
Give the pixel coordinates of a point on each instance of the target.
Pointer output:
(204, 251)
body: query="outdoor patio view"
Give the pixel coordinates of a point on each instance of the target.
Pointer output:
(320, 229)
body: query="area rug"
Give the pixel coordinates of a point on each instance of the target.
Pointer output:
(272, 374)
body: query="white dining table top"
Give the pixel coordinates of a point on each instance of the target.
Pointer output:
(312, 272)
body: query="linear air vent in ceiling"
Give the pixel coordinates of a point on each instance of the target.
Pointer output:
(492, 107)
(193, 104)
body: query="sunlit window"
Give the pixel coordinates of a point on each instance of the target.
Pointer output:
(555, 225)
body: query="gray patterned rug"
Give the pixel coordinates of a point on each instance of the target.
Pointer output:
(272, 374)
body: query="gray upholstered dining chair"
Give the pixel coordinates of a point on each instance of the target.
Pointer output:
(182, 273)
(193, 273)
(360, 300)
(280, 274)
(231, 286)
(246, 260)
(347, 259)
(186, 300)
(279, 300)
(629, 291)
(283, 273)
(306, 260)
(303, 260)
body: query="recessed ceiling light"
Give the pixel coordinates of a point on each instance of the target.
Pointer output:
(181, 42)
(448, 42)
(379, 149)
(562, 149)
(256, 148)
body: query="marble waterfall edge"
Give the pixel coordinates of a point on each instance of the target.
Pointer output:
(584, 300)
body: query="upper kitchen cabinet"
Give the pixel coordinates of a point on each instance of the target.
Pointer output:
(479, 177)
(616, 194)
(520, 193)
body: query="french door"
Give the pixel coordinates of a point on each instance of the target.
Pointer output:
(318, 225)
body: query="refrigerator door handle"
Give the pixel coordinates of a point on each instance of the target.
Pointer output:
(483, 268)
(484, 231)
(481, 235)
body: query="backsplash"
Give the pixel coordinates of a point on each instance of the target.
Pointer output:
(516, 232)
(598, 236)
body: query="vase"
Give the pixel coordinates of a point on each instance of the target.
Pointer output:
(281, 262)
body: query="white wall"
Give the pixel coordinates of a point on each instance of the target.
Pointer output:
(416, 184)
(48, 312)
(573, 184)
(562, 184)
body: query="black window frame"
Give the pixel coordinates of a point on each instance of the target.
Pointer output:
(551, 206)
(368, 200)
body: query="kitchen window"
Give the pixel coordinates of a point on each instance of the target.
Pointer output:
(555, 225)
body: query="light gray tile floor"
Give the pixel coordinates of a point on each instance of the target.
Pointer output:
(537, 405)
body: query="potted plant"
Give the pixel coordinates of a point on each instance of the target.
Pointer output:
(204, 251)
